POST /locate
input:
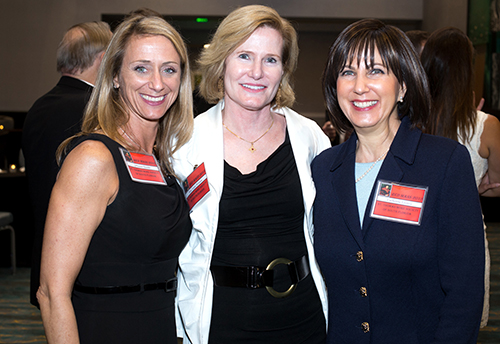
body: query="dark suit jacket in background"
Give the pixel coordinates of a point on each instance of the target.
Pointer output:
(53, 118)
(424, 284)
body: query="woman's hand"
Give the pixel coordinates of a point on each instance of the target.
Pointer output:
(487, 186)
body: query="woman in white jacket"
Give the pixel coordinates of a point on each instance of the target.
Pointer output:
(248, 273)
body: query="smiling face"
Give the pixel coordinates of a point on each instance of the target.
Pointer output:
(368, 95)
(149, 77)
(253, 71)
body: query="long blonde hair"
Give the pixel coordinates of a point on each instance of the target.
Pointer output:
(233, 31)
(106, 110)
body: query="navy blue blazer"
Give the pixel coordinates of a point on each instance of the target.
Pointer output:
(390, 282)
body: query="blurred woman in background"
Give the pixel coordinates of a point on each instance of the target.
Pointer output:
(454, 115)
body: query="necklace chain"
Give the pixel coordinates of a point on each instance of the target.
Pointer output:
(131, 139)
(252, 148)
(372, 166)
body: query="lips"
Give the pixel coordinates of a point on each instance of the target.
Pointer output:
(253, 87)
(153, 99)
(364, 105)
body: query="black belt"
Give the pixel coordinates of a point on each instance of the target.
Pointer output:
(168, 286)
(259, 277)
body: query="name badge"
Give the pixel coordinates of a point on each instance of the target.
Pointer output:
(399, 202)
(196, 186)
(143, 168)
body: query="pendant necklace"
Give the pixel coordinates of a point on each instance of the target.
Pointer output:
(131, 139)
(252, 148)
(372, 166)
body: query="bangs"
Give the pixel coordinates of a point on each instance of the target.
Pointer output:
(362, 48)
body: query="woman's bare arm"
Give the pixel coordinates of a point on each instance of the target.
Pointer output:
(86, 184)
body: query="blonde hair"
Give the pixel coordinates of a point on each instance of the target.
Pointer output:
(106, 110)
(233, 31)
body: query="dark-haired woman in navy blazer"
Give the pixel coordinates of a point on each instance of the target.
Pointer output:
(398, 227)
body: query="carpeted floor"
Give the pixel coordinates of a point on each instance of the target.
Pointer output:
(491, 333)
(20, 322)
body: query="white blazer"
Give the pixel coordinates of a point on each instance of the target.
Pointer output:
(195, 284)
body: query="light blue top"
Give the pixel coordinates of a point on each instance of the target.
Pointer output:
(365, 185)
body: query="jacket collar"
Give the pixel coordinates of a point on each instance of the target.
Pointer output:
(74, 82)
(403, 147)
(402, 152)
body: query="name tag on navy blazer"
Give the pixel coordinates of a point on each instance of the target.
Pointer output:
(399, 202)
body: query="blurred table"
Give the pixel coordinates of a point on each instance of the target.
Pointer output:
(14, 198)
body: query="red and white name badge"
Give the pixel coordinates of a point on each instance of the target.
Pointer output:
(143, 168)
(399, 202)
(196, 186)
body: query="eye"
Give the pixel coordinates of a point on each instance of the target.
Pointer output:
(169, 70)
(377, 71)
(346, 72)
(271, 60)
(140, 69)
(244, 56)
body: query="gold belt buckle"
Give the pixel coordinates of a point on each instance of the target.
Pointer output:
(278, 294)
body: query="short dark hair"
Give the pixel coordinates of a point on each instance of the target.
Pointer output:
(358, 42)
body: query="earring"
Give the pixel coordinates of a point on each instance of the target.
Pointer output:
(115, 86)
(401, 99)
(278, 97)
(220, 87)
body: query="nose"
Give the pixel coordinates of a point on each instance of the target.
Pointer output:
(360, 84)
(156, 82)
(256, 70)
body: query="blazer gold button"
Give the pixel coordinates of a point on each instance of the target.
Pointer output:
(359, 256)
(365, 327)
(363, 292)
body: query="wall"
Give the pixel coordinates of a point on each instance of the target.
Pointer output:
(441, 13)
(31, 30)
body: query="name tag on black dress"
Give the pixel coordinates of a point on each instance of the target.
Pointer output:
(143, 168)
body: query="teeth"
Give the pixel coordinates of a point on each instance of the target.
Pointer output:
(365, 104)
(253, 87)
(153, 99)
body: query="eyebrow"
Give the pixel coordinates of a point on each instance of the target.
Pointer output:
(252, 52)
(149, 61)
(371, 66)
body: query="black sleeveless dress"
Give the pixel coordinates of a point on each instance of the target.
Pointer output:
(261, 218)
(138, 241)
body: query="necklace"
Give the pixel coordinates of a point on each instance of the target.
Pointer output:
(372, 166)
(131, 139)
(252, 148)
